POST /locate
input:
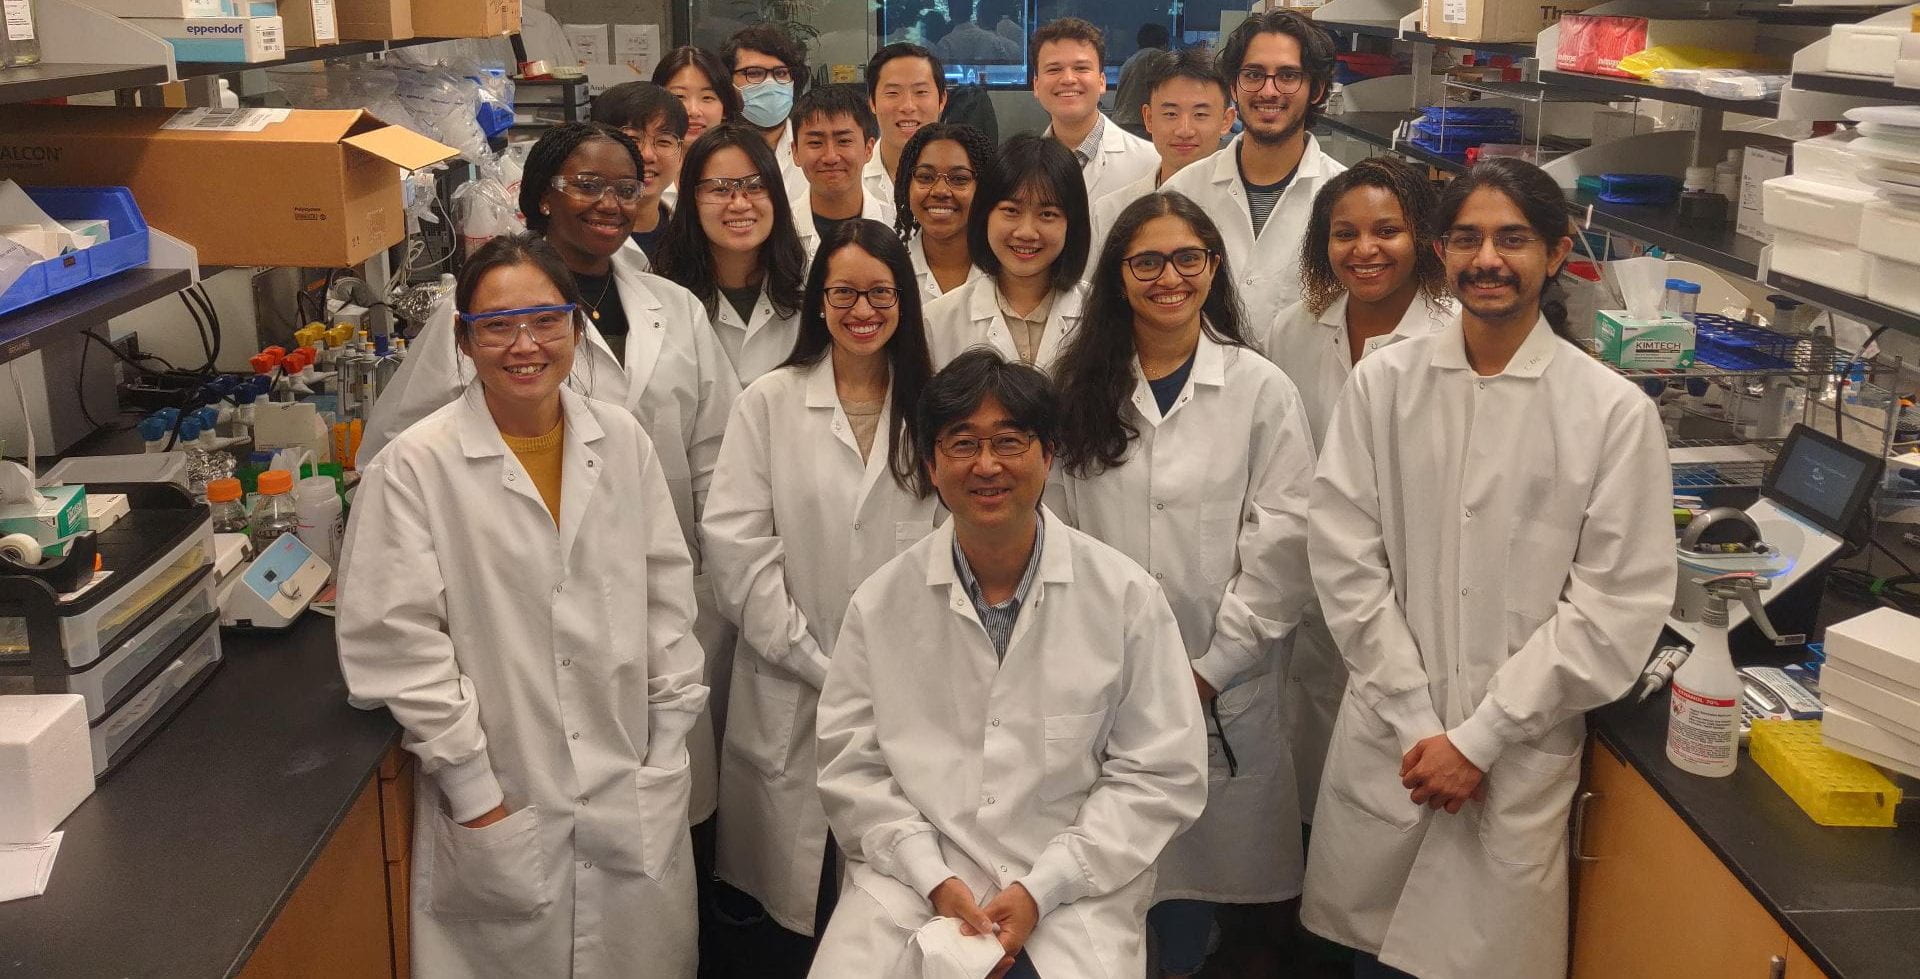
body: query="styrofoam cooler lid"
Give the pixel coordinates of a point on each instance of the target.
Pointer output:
(1887, 115)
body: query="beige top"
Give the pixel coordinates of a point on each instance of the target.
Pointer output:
(864, 416)
(1027, 330)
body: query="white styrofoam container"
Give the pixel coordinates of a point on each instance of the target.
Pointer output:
(1884, 641)
(1808, 206)
(1853, 687)
(1865, 49)
(1890, 229)
(1861, 735)
(1906, 71)
(1894, 282)
(1828, 159)
(46, 763)
(1834, 264)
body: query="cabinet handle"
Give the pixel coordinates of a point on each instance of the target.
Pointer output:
(1777, 967)
(1580, 826)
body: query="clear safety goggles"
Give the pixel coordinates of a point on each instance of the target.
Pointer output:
(498, 328)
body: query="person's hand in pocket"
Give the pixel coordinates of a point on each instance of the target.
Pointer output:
(487, 818)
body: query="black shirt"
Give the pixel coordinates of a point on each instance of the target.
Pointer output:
(1168, 388)
(827, 226)
(602, 296)
(649, 240)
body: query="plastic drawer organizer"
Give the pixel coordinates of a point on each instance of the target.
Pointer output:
(1834, 789)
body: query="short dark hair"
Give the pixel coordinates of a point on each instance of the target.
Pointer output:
(1317, 55)
(523, 248)
(703, 61)
(1319, 286)
(1191, 63)
(981, 156)
(640, 105)
(1064, 29)
(959, 389)
(903, 49)
(769, 40)
(1151, 34)
(550, 153)
(909, 364)
(1039, 165)
(1541, 202)
(828, 101)
(684, 255)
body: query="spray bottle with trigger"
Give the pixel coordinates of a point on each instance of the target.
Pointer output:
(1703, 723)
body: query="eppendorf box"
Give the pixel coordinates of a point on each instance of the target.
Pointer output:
(236, 39)
(306, 187)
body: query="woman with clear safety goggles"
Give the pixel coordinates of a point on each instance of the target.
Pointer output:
(517, 592)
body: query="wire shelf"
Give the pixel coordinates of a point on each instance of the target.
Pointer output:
(1729, 463)
(1806, 358)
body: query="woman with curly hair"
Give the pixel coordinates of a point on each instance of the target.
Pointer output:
(941, 168)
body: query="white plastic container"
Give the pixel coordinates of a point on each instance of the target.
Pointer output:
(46, 763)
(1834, 264)
(1894, 282)
(1806, 206)
(1865, 49)
(317, 505)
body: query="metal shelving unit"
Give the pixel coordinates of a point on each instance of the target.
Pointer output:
(1628, 88)
(1858, 86)
(62, 316)
(329, 52)
(1846, 304)
(53, 81)
(1391, 30)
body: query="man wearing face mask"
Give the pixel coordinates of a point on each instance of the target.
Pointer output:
(770, 70)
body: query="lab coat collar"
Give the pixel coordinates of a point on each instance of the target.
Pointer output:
(1209, 368)
(1531, 360)
(1314, 165)
(1056, 555)
(480, 437)
(1418, 318)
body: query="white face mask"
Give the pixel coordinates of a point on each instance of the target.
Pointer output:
(768, 103)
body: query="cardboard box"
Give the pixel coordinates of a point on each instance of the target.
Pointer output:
(59, 513)
(1494, 20)
(373, 20)
(320, 188)
(1667, 342)
(465, 18)
(1594, 44)
(1757, 166)
(309, 23)
(241, 40)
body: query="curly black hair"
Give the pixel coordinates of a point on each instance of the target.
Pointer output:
(685, 256)
(773, 42)
(1319, 286)
(550, 153)
(981, 155)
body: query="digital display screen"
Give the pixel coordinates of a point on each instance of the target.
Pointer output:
(1820, 479)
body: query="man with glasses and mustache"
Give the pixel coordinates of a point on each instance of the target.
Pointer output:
(1260, 188)
(1008, 732)
(1490, 538)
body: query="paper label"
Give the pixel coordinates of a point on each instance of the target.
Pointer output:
(324, 28)
(208, 119)
(1453, 11)
(637, 46)
(19, 20)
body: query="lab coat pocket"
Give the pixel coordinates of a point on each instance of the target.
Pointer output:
(1538, 555)
(760, 720)
(907, 533)
(664, 795)
(1219, 540)
(494, 872)
(1070, 763)
(1363, 768)
(1529, 794)
(1248, 727)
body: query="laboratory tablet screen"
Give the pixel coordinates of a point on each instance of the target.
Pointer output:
(1820, 479)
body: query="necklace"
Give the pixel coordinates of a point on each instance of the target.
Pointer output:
(593, 308)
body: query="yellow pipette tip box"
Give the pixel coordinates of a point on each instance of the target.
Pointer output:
(1834, 789)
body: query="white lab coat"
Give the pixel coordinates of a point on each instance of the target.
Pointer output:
(1123, 159)
(1266, 270)
(795, 522)
(923, 273)
(1212, 500)
(878, 183)
(1495, 557)
(677, 381)
(1107, 210)
(970, 316)
(1067, 767)
(790, 172)
(1313, 351)
(870, 209)
(761, 343)
(550, 669)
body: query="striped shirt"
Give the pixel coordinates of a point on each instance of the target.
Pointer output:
(998, 619)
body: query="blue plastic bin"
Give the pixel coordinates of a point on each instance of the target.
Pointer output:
(126, 249)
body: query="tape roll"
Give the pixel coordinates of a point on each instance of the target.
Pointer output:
(21, 548)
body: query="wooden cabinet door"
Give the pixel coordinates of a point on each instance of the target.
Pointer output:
(1651, 899)
(396, 818)
(335, 924)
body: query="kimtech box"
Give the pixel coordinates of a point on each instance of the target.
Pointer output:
(304, 187)
(1664, 343)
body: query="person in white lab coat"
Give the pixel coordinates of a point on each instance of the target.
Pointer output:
(770, 70)
(834, 131)
(1261, 186)
(1028, 232)
(516, 591)
(943, 168)
(701, 83)
(1187, 108)
(1065, 61)
(1008, 733)
(907, 89)
(1188, 451)
(1372, 277)
(656, 121)
(815, 489)
(1492, 543)
(732, 244)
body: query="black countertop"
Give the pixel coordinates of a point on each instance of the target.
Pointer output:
(178, 863)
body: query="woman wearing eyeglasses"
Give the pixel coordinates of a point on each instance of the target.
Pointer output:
(516, 591)
(732, 243)
(1028, 231)
(1189, 452)
(815, 489)
(942, 166)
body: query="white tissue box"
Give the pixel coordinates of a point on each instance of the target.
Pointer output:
(46, 763)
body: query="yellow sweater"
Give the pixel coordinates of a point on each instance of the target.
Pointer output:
(541, 457)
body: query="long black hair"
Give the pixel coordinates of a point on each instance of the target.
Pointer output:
(980, 156)
(909, 364)
(718, 77)
(685, 255)
(1095, 371)
(1043, 170)
(550, 153)
(1319, 286)
(1541, 203)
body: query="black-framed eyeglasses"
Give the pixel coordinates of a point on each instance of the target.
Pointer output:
(957, 179)
(589, 189)
(1189, 262)
(1506, 242)
(755, 75)
(721, 190)
(1003, 444)
(879, 297)
(1286, 81)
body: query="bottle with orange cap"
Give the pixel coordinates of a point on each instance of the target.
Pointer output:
(229, 509)
(274, 511)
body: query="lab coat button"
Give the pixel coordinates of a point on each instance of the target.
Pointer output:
(1161, 576)
(991, 800)
(1463, 591)
(996, 722)
(856, 525)
(566, 662)
(1003, 868)
(1469, 513)
(509, 477)
(581, 801)
(576, 735)
(586, 865)
(589, 463)
(1159, 506)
